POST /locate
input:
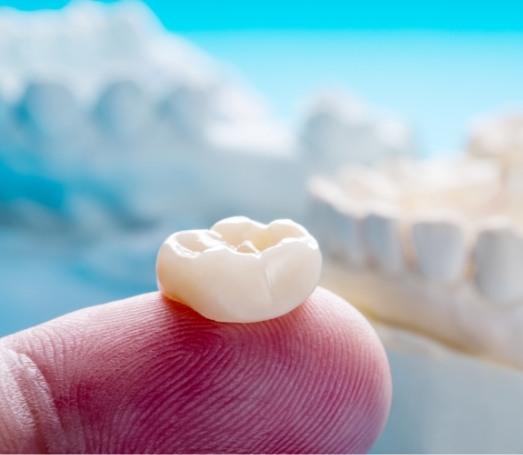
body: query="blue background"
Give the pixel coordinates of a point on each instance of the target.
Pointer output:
(501, 15)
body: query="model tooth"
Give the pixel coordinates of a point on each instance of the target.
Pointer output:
(240, 270)
(498, 137)
(382, 234)
(340, 129)
(123, 109)
(440, 250)
(345, 235)
(5, 113)
(10, 133)
(499, 264)
(352, 238)
(322, 192)
(189, 109)
(339, 225)
(395, 137)
(337, 128)
(48, 109)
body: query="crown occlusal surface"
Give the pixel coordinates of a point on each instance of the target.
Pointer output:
(240, 270)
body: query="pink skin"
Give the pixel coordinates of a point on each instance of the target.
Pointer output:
(150, 375)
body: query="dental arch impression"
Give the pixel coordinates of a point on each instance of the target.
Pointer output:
(240, 270)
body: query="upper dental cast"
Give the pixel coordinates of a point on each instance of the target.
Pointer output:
(153, 107)
(240, 270)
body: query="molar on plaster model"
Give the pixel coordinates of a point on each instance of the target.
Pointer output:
(382, 236)
(339, 129)
(48, 109)
(499, 137)
(124, 110)
(439, 245)
(499, 263)
(240, 270)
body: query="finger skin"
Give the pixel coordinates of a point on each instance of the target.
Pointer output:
(148, 375)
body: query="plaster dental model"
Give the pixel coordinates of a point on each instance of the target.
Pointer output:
(430, 246)
(240, 270)
(432, 252)
(124, 100)
(89, 109)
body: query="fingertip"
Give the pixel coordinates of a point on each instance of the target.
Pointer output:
(368, 371)
(150, 375)
(28, 421)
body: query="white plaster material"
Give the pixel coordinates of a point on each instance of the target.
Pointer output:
(382, 234)
(440, 249)
(499, 137)
(443, 247)
(499, 264)
(340, 129)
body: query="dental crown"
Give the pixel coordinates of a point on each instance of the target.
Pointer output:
(240, 270)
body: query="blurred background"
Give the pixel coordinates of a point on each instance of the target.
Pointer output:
(121, 122)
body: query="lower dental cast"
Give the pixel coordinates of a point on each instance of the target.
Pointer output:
(240, 270)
